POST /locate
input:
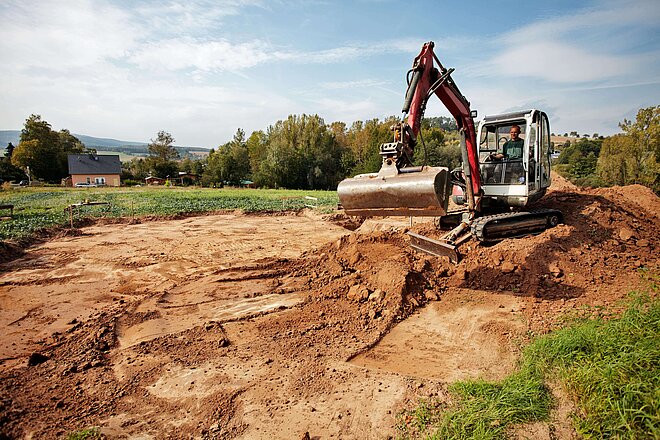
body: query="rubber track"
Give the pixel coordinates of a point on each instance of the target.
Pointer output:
(514, 218)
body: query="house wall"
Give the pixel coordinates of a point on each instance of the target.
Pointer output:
(110, 179)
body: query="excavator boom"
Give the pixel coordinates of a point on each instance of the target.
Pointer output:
(438, 81)
(399, 188)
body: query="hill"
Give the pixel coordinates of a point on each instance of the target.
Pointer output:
(108, 145)
(13, 136)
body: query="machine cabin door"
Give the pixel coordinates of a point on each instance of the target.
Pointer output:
(545, 151)
(533, 163)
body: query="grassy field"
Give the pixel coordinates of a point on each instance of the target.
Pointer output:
(610, 368)
(39, 208)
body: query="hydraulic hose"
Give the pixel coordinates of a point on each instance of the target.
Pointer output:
(411, 90)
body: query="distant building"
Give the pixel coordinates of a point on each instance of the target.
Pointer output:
(92, 169)
(187, 178)
(153, 180)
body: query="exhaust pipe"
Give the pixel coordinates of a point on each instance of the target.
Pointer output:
(422, 193)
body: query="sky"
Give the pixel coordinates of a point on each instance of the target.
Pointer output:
(202, 69)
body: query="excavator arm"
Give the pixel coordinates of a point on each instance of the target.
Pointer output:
(428, 80)
(400, 189)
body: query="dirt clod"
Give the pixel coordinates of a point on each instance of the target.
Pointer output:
(36, 359)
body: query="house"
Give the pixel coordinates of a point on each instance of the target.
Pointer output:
(152, 180)
(187, 178)
(95, 169)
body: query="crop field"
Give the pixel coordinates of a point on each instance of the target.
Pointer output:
(39, 208)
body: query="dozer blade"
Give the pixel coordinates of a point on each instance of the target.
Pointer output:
(421, 193)
(434, 247)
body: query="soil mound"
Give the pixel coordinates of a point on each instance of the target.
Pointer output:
(608, 235)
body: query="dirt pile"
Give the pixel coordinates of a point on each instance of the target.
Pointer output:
(608, 238)
(608, 235)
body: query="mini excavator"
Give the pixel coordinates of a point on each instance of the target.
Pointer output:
(490, 193)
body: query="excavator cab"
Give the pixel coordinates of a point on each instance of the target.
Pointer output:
(514, 181)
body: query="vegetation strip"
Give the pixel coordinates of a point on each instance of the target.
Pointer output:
(40, 208)
(611, 368)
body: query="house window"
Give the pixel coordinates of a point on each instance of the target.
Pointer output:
(89, 180)
(99, 180)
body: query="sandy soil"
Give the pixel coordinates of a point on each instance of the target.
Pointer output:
(292, 326)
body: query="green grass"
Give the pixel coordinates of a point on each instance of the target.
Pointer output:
(86, 434)
(610, 367)
(39, 208)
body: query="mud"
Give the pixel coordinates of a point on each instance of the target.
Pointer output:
(245, 326)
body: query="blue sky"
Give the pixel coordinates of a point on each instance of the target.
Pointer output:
(202, 69)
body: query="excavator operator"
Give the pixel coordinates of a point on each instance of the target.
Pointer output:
(513, 148)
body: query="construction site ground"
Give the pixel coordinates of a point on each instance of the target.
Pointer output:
(302, 325)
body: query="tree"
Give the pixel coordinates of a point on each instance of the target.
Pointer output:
(162, 154)
(633, 157)
(579, 160)
(299, 152)
(443, 122)
(613, 162)
(9, 151)
(192, 166)
(364, 141)
(230, 163)
(234, 159)
(442, 149)
(135, 169)
(9, 172)
(45, 151)
(257, 145)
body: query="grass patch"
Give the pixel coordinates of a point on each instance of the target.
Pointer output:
(40, 208)
(86, 434)
(610, 367)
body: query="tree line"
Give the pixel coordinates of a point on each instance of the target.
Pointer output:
(304, 152)
(301, 152)
(630, 157)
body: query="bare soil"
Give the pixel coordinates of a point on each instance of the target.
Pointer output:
(295, 326)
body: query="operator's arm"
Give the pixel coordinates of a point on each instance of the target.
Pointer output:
(500, 156)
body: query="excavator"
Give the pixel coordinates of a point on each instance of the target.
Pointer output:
(491, 188)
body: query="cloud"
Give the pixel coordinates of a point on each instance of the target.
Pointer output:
(595, 44)
(64, 36)
(222, 55)
(191, 17)
(335, 109)
(360, 84)
(559, 62)
(605, 22)
(187, 53)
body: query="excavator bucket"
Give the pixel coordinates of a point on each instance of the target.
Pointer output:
(421, 193)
